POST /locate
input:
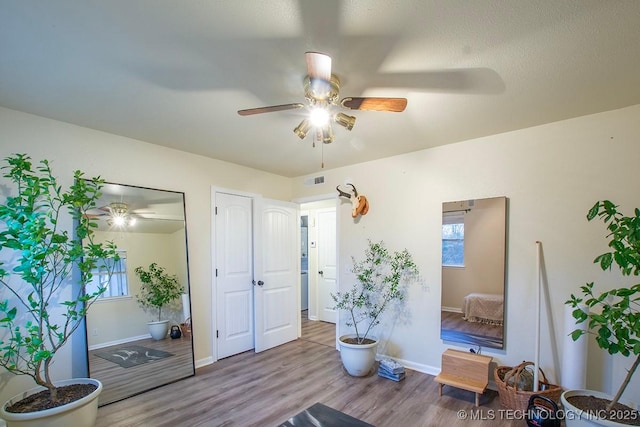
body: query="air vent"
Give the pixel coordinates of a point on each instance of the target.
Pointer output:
(314, 180)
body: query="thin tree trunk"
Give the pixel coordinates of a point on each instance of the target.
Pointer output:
(624, 384)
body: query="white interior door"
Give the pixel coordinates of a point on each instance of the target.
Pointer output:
(277, 273)
(327, 260)
(233, 274)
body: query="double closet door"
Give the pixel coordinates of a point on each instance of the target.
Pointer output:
(256, 273)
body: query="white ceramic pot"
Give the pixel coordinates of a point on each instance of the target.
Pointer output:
(159, 330)
(81, 413)
(357, 359)
(575, 417)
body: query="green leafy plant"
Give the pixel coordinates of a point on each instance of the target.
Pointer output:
(39, 260)
(382, 279)
(616, 320)
(158, 287)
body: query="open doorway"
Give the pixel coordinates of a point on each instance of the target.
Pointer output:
(318, 270)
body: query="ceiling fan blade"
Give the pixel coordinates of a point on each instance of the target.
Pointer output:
(318, 65)
(95, 212)
(375, 104)
(271, 109)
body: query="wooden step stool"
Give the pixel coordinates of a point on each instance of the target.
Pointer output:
(465, 370)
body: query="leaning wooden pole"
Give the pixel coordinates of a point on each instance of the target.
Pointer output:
(536, 359)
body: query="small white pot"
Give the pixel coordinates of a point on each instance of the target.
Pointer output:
(81, 413)
(357, 359)
(159, 330)
(575, 417)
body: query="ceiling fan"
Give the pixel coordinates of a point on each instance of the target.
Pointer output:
(321, 90)
(118, 214)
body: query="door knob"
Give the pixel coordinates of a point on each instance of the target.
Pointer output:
(260, 283)
(321, 272)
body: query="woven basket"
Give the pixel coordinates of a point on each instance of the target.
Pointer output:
(186, 328)
(511, 397)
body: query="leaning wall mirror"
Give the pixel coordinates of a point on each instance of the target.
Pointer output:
(473, 271)
(147, 226)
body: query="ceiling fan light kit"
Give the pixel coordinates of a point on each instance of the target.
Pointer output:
(321, 91)
(302, 129)
(345, 121)
(119, 215)
(326, 134)
(121, 222)
(319, 116)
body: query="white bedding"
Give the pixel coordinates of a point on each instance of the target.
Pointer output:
(483, 308)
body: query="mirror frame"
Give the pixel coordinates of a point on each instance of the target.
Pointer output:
(148, 380)
(464, 319)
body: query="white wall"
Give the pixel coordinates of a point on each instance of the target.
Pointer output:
(122, 319)
(127, 161)
(552, 175)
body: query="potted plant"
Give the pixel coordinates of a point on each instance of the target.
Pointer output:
(382, 280)
(613, 318)
(44, 274)
(158, 288)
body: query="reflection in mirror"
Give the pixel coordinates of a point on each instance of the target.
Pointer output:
(473, 271)
(147, 226)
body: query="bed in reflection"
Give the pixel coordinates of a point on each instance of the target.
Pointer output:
(483, 308)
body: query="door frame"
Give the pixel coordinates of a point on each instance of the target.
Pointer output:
(319, 198)
(214, 284)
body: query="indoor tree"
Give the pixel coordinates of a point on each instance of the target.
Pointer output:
(158, 287)
(613, 316)
(381, 280)
(41, 262)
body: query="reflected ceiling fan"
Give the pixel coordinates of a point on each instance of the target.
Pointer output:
(120, 214)
(321, 90)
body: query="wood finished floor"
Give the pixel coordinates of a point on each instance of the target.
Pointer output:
(266, 389)
(120, 383)
(451, 320)
(319, 332)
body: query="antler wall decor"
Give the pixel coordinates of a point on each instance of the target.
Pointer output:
(359, 203)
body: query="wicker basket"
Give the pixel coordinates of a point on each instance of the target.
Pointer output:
(186, 328)
(511, 397)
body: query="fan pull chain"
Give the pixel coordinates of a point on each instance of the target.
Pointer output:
(322, 156)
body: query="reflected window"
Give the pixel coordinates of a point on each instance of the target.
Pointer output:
(117, 285)
(453, 239)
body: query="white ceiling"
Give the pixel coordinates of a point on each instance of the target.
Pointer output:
(174, 73)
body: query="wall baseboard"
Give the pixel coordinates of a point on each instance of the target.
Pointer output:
(118, 342)
(204, 362)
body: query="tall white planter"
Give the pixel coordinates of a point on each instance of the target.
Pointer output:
(575, 417)
(81, 413)
(357, 359)
(159, 330)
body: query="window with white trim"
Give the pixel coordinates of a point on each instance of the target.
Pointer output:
(115, 287)
(453, 239)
